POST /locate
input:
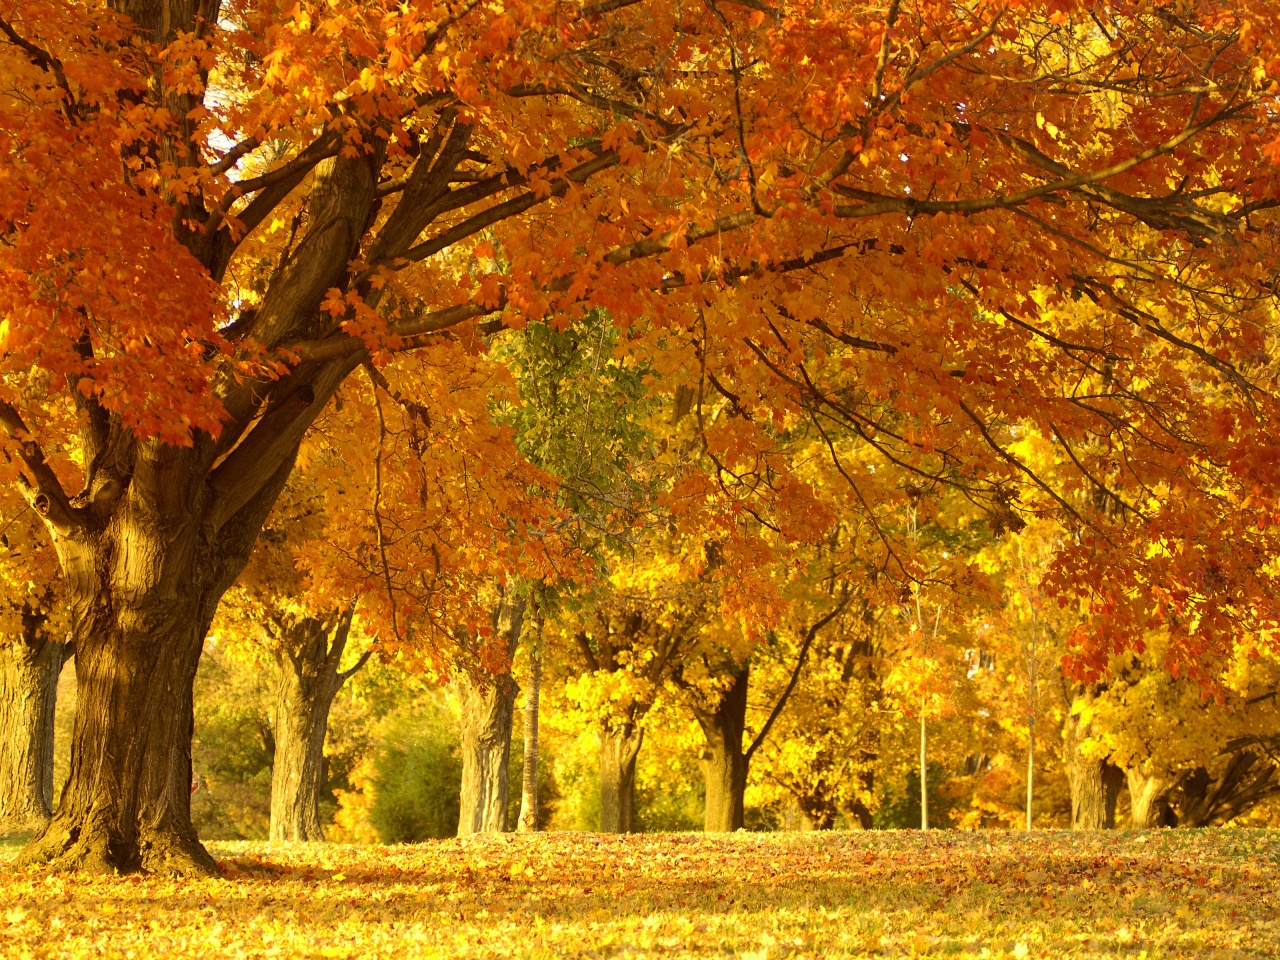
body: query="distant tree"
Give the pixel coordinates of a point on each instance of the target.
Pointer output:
(33, 650)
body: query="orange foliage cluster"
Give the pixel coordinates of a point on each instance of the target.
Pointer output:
(909, 241)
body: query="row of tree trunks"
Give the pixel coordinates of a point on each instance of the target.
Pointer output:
(308, 681)
(488, 708)
(30, 665)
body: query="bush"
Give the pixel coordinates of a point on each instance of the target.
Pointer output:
(673, 810)
(900, 807)
(233, 747)
(416, 776)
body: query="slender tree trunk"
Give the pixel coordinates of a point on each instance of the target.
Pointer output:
(487, 713)
(30, 665)
(619, 748)
(308, 682)
(1095, 781)
(1031, 770)
(528, 821)
(724, 764)
(924, 770)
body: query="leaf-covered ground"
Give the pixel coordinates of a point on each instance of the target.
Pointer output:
(1203, 894)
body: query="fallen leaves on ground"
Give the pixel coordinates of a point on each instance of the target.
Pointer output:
(1203, 894)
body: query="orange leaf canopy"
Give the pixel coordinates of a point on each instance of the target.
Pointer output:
(1026, 250)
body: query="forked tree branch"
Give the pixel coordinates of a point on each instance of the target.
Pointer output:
(795, 675)
(38, 483)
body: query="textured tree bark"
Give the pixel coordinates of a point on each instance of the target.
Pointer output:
(1149, 800)
(126, 804)
(143, 575)
(528, 821)
(619, 750)
(158, 531)
(1095, 781)
(308, 682)
(487, 715)
(724, 764)
(30, 665)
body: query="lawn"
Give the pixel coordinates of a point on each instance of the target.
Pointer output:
(1203, 894)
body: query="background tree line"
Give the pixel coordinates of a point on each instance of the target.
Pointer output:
(654, 710)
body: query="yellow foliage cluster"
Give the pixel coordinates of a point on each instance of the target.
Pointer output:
(1194, 894)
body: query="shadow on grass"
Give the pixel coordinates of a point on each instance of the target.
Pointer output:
(15, 841)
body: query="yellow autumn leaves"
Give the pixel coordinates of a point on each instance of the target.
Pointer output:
(994, 895)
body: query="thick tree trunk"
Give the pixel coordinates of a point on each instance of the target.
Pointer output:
(487, 713)
(866, 819)
(1149, 800)
(30, 665)
(528, 821)
(1095, 788)
(159, 531)
(724, 764)
(1095, 781)
(144, 571)
(619, 749)
(126, 805)
(308, 682)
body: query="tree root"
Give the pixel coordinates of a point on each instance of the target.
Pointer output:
(87, 845)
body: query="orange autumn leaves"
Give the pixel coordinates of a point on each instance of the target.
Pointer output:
(915, 240)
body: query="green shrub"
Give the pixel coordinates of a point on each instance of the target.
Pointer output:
(233, 746)
(900, 807)
(417, 777)
(673, 810)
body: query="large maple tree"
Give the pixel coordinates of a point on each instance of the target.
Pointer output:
(926, 223)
